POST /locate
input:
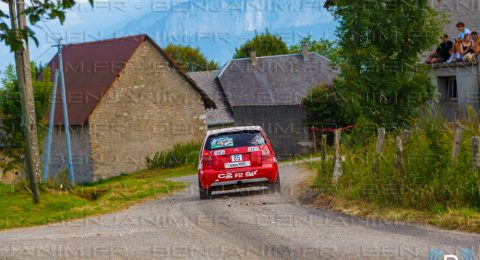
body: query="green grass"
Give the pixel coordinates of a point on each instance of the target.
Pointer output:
(17, 209)
(180, 155)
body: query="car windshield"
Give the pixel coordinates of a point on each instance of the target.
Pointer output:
(235, 139)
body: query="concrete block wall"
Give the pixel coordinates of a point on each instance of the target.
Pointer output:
(467, 11)
(467, 77)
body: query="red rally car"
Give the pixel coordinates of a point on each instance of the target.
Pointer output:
(237, 157)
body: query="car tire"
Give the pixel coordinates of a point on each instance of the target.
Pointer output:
(204, 193)
(275, 187)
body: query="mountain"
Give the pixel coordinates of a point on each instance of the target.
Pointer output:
(217, 27)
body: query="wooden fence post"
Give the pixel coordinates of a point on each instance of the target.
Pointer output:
(399, 160)
(337, 168)
(324, 147)
(475, 152)
(380, 140)
(314, 140)
(457, 142)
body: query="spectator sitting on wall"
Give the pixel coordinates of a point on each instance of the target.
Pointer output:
(456, 56)
(462, 30)
(443, 52)
(476, 43)
(466, 50)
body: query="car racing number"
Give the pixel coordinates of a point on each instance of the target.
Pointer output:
(236, 158)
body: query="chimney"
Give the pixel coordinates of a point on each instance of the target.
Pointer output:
(253, 57)
(305, 51)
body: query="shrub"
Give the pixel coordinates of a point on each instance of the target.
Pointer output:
(11, 132)
(180, 155)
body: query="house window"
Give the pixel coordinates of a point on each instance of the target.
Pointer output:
(452, 93)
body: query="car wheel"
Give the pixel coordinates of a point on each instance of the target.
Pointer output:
(275, 187)
(204, 193)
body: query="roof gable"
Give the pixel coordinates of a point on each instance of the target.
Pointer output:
(91, 68)
(206, 80)
(274, 80)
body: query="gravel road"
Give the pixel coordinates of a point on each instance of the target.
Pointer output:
(233, 226)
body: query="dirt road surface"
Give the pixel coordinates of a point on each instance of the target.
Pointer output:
(231, 226)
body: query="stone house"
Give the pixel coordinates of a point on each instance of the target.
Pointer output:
(126, 100)
(268, 91)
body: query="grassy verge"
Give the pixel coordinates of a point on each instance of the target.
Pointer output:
(464, 219)
(452, 218)
(103, 197)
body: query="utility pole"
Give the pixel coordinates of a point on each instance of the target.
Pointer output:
(66, 123)
(59, 76)
(22, 64)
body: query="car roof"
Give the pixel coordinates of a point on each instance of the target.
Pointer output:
(233, 129)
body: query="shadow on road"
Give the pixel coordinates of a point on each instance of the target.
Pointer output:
(257, 191)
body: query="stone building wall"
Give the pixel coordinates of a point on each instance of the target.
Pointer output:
(149, 108)
(80, 144)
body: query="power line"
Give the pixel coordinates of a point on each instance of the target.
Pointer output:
(41, 55)
(46, 32)
(48, 28)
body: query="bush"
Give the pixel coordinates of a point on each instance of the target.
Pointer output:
(430, 180)
(180, 155)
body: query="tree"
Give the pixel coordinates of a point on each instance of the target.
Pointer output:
(10, 105)
(265, 44)
(323, 47)
(325, 107)
(381, 42)
(191, 59)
